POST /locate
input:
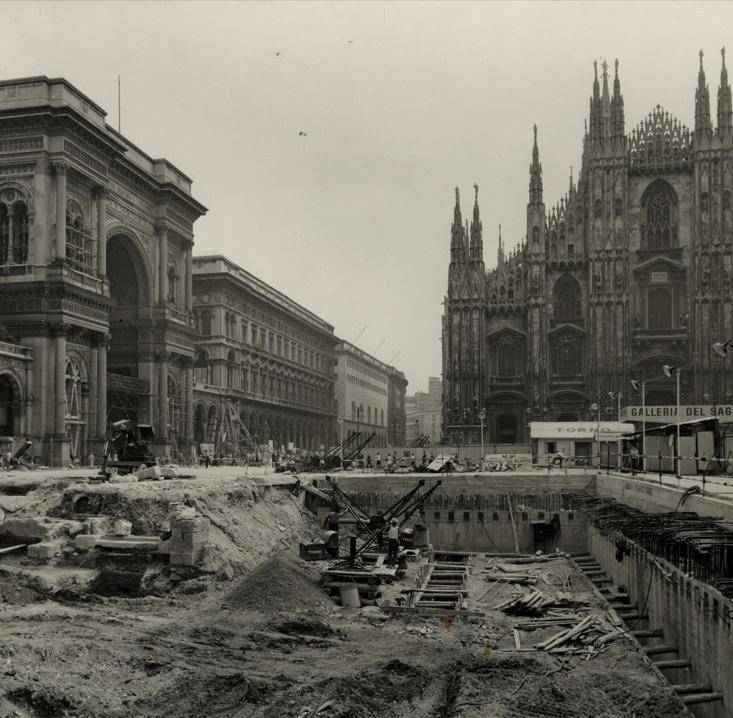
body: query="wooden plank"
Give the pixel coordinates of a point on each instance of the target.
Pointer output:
(517, 641)
(402, 610)
(10, 549)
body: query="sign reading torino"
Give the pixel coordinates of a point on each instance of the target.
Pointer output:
(581, 430)
(668, 414)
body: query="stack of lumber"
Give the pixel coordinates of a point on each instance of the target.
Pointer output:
(587, 636)
(536, 603)
(519, 578)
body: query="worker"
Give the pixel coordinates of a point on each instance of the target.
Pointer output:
(393, 542)
(332, 519)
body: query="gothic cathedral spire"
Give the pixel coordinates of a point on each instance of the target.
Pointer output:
(702, 104)
(500, 251)
(458, 238)
(535, 174)
(477, 238)
(725, 109)
(617, 108)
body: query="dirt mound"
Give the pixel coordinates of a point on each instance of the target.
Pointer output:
(279, 584)
(303, 627)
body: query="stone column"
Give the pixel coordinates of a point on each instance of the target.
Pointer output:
(60, 170)
(102, 347)
(101, 232)
(59, 423)
(189, 278)
(163, 397)
(163, 264)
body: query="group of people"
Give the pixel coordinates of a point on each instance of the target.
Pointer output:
(393, 461)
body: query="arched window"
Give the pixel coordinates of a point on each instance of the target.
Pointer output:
(206, 323)
(659, 314)
(659, 216)
(567, 357)
(506, 361)
(597, 209)
(618, 206)
(13, 233)
(75, 415)
(231, 366)
(566, 298)
(199, 424)
(9, 405)
(80, 244)
(173, 281)
(244, 378)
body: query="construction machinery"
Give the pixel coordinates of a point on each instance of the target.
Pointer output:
(233, 437)
(127, 447)
(371, 528)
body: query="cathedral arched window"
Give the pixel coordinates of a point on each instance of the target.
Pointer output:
(597, 209)
(13, 228)
(726, 199)
(535, 234)
(659, 216)
(659, 310)
(566, 298)
(506, 361)
(567, 357)
(618, 206)
(80, 243)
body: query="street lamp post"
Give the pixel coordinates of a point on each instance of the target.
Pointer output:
(617, 395)
(482, 418)
(668, 371)
(641, 386)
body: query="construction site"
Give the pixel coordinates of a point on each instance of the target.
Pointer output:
(234, 592)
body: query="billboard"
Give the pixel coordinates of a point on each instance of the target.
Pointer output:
(688, 412)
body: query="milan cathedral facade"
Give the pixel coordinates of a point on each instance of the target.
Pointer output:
(629, 271)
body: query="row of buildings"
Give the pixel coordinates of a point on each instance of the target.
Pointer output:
(631, 270)
(106, 313)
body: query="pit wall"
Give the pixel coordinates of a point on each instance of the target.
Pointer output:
(538, 482)
(492, 531)
(655, 498)
(695, 616)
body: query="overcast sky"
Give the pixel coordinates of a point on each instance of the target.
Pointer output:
(399, 103)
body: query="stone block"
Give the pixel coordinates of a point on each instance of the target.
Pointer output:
(43, 550)
(98, 525)
(121, 527)
(84, 542)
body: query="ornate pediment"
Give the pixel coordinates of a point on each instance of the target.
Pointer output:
(659, 264)
(660, 143)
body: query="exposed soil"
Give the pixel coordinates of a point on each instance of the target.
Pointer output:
(270, 643)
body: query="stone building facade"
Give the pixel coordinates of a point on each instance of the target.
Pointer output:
(264, 364)
(366, 390)
(95, 275)
(630, 270)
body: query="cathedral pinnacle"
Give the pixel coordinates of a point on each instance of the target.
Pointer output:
(535, 174)
(725, 107)
(476, 233)
(500, 251)
(702, 103)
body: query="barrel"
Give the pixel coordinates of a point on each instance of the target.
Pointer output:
(421, 536)
(350, 596)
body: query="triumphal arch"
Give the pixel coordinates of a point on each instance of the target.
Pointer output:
(96, 243)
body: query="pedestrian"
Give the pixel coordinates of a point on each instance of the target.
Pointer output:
(393, 542)
(369, 461)
(90, 459)
(634, 458)
(207, 461)
(379, 460)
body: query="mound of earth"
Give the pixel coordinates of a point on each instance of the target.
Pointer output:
(280, 584)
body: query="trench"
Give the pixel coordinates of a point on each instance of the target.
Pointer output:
(672, 556)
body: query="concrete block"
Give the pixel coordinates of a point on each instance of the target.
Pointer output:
(84, 542)
(99, 525)
(121, 528)
(43, 550)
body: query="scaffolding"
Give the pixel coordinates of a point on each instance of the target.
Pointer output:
(233, 437)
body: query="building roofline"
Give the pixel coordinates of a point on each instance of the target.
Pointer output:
(263, 287)
(54, 81)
